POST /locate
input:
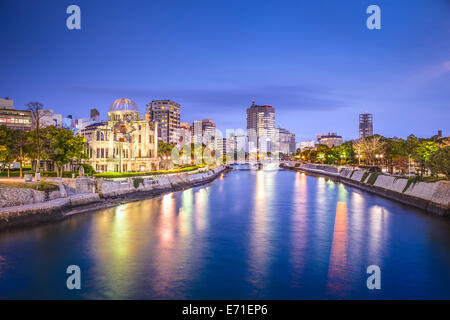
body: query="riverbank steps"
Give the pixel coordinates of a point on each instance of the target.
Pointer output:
(433, 197)
(20, 207)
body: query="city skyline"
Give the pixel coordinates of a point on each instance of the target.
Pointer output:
(223, 157)
(330, 67)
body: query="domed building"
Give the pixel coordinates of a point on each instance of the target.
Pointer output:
(124, 143)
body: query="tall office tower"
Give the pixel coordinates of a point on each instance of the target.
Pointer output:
(167, 114)
(260, 127)
(365, 125)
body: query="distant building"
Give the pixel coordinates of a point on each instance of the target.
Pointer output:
(49, 118)
(184, 133)
(167, 114)
(237, 147)
(260, 127)
(437, 136)
(81, 123)
(365, 125)
(286, 141)
(330, 139)
(203, 131)
(221, 147)
(123, 143)
(14, 119)
(95, 115)
(303, 145)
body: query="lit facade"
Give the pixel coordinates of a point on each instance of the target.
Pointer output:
(167, 114)
(123, 143)
(261, 127)
(12, 118)
(330, 139)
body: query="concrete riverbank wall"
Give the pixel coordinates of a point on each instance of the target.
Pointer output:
(432, 197)
(81, 195)
(10, 197)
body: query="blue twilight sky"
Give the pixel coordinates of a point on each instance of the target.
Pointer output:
(315, 61)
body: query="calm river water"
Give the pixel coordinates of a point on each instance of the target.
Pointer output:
(247, 235)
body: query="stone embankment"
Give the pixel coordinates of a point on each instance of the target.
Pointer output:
(21, 196)
(432, 197)
(27, 206)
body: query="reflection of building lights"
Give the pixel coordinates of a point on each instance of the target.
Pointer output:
(338, 257)
(201, 205)
(167, 204)
(120, 210)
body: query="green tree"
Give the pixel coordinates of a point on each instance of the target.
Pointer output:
(423, 152)
(7, 148)
(61, 145)
(344, 152)
(439, 162)
(164, 149)
(396, 152)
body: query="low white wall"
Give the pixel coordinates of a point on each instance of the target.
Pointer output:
(119, 187)
(436, 192)
(11, 197)
(391, 183)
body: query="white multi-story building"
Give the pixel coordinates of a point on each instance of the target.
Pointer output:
(203, 131)
(331, 139)
(302, 145)
(49, 118)
(286, 141)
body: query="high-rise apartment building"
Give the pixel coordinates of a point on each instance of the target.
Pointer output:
(260, 127)
(167, 114)
(365, 125)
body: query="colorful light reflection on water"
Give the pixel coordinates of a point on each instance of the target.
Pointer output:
(252, 234)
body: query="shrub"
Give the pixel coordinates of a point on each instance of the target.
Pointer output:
(88, 169)
(137, 182)
(364, 177)
(373, 177)
(140, 174)
(412, 181)
(52, 174)
(375, 169)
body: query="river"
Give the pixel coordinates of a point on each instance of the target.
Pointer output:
(247, 235)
